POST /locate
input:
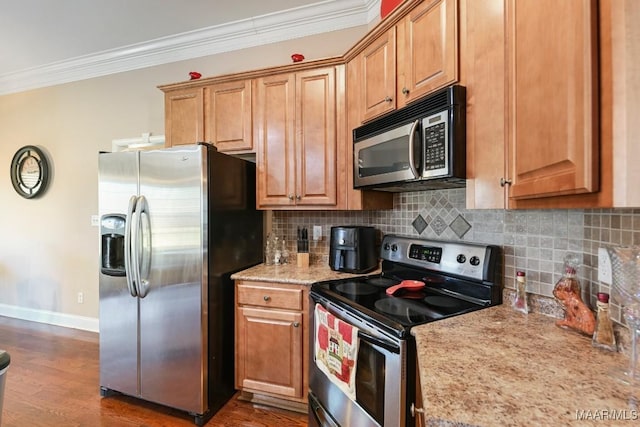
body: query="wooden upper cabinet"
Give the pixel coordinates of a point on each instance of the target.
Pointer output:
(228, 116)
(483, 73)
(183, 116)
(296, 139)
(427, 49)
(378, 76)
(533, 108)
(316, 137)
(273, 125)
(412, 59)
(553, 97)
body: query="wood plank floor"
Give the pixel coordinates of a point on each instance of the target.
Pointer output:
(53, 380)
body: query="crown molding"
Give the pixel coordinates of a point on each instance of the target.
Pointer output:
(321, 17)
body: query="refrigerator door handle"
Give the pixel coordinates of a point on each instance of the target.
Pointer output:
(128, 268)
(143, 247)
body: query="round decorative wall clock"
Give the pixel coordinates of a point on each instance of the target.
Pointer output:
(30, 171)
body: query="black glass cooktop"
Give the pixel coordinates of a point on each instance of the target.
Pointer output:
(405, 307)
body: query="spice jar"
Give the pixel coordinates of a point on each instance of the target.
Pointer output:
(603, 337)
(520, 302)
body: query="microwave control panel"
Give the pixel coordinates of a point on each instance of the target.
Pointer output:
(436, 150)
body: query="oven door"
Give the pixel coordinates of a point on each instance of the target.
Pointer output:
(392, 156)
(380, 379)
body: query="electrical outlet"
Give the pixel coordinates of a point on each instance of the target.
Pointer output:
(80, 298)
(317, 232)
(604, 266)
(95, 221)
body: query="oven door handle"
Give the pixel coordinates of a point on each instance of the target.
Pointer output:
(379, 343)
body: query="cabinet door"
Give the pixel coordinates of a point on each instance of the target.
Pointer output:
(228, 113)
(183, 112)
(483, 70)
(378, 71)
(552, 110)
(274, 116)
(315, 133)
(429, 59)
(269, 351)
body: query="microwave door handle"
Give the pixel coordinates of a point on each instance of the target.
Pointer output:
(412, 135)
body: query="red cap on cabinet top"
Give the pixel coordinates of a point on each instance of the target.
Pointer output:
(520, 273)
(603, 297)
(387, 6)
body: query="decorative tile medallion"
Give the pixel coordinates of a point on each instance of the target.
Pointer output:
(438, 225)
(419, 224)
(460, 226)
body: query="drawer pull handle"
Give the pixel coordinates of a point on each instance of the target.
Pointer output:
(405, 91)
(296, 324)
(388, 99)
(266, 297)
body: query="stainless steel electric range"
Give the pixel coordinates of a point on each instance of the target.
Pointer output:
(458, 278)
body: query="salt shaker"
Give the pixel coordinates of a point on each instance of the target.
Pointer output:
(520, 302)
(603, 337)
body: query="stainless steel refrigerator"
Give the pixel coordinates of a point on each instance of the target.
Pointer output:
(174, 225)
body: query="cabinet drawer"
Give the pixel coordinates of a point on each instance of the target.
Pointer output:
(266, 296)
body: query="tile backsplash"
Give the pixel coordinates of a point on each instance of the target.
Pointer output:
(535, 241)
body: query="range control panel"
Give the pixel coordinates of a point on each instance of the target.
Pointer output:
(468, 260)
(425, 253)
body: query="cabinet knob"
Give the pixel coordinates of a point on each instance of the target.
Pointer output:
(290, 196)
(405, 91)
(266, 297)
(504, 182)
(296, 324)
(415, 410)
(388, 99)
(298, 197)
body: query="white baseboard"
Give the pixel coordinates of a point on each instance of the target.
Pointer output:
(50, 317)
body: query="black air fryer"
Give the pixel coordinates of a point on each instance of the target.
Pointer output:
(353, 249)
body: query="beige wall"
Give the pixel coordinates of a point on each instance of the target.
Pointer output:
(48, 249)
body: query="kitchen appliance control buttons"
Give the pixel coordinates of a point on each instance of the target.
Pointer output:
(474, 260)
(461, 258)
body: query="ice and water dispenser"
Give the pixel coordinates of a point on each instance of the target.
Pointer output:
(112, 240)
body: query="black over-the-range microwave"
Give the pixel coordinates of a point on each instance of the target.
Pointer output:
(418, 147)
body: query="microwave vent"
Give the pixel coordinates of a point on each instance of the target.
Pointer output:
(439, 101)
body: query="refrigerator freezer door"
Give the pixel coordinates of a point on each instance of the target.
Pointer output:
(173, 327)
(117, 182)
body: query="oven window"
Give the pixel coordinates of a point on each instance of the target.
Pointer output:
(370, 381)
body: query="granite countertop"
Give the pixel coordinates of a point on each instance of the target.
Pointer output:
(498, 367)
(291, 273)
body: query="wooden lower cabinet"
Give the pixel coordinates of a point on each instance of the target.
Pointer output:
(271, 354)
(418, 410)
